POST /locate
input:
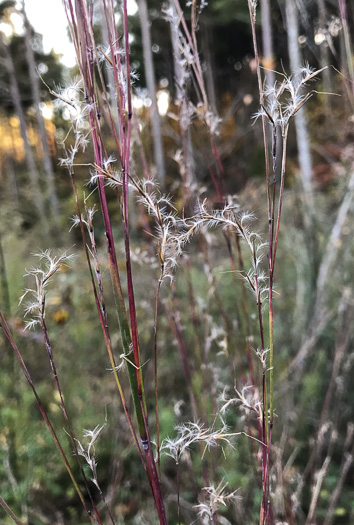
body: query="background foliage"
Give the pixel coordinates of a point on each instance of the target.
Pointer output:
(203, 310)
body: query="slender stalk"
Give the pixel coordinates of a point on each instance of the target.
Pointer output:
(84, 42)
(252, 11)
(177, 330)
(271, 313)
(132, 310)
(62, 403)
(104, 327)
(125, 170)
(83, 35)
(265, 434)
(245, 310)
(9, 337)
(178, 494)
(281, 191)
(191, 38)
(104, 501)
(194, 314)
(344, 469)
(155, 375)
(9, 511)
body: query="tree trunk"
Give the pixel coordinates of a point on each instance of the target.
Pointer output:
(176, 52)
(47, 161)
(150, 81)
(207, 45)
(300, 117)
(304, 156)
(186, 164)
(29, 158)
(346, 61)
(5, 295)
(324, 55)
(11, 180)
(267, 41)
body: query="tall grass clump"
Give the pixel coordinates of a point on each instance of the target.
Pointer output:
(211, 360)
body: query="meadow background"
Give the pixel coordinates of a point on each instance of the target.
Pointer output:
(195, 139)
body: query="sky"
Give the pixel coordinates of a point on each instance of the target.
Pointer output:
(48, 18)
